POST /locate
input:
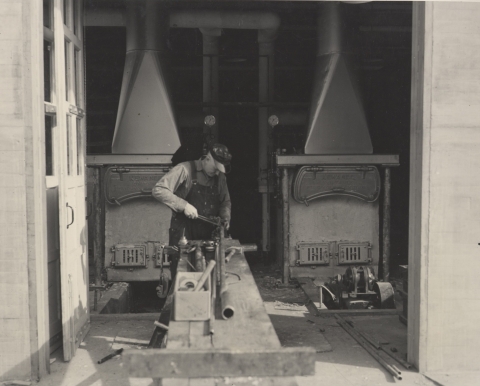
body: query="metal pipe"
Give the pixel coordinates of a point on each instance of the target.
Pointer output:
(386, 226)
(227, 306)
(331, 30)
(265, 95)
(266, 21)
(144, 100)
(286, 225)
(213, 288)
(98, 231)
(210, 77)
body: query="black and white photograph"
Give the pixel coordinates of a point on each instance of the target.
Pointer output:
(239, 193)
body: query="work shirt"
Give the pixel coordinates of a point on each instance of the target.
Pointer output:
(173, 188)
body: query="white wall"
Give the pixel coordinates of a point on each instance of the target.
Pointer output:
(21, 216)
(449, 283)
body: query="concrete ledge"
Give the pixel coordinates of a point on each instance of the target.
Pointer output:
(145, 316)
(115, 300)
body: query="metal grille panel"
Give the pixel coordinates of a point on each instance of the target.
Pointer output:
(313, 253)
(353, 253)
(129, 255)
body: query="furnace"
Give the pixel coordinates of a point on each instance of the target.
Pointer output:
(330, 196)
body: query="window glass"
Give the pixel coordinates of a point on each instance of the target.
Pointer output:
(47, 70)
(79, 147)
(49, 145)
(47, 18)
(67, 69)
(76, 66)
(69, 145)
(75, 13)
(65, 12)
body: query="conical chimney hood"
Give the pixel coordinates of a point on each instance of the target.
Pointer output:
(145, 120)
(337, 123)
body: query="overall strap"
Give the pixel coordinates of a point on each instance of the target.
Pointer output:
(194, 172)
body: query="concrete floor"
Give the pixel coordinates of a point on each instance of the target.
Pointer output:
(340, 360)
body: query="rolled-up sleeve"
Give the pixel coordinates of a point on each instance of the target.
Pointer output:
(165, 188)
(225, 203)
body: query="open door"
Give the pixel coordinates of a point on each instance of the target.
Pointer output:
(70, 119)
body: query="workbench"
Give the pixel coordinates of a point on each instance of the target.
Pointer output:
(244, 347)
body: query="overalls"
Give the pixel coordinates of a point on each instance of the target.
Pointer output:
(206, 199)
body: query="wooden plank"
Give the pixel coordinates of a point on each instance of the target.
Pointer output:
(142, 316)
(199, 335)
(220, 362)
(178, 333)
(250, 327)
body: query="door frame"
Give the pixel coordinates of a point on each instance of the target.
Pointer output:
(36, 215)
(420, 125)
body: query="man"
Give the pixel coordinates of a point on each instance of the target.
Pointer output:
(195, 188)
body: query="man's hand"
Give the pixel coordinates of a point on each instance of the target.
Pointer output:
(190, 211)
(226, 224)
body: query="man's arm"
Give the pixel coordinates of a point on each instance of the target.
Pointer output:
(225, 203)
(165, 188)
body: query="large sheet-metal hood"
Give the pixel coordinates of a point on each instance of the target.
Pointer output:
(337, 123)
(145, 120)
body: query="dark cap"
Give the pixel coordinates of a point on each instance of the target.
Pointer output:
(220, 153)
(221, 156)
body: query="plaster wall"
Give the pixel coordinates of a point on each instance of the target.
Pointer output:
(14, 313)
(451, 188)
(22, 174)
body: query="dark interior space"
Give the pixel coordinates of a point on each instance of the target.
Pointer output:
(380, 38)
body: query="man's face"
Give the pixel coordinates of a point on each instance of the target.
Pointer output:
(209, 166)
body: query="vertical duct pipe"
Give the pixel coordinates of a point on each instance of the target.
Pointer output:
(145, 121)
(265, 96)
(337, 123)
(210, 78)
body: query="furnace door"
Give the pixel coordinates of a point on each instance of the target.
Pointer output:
(68, 35)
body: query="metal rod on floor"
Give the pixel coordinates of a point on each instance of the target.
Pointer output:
(354, 334)
(403, 362)
(378, 346)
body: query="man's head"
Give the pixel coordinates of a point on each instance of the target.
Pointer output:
(216, 159)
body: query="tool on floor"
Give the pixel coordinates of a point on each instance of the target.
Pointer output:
(367, 346)
(110, 356)
(160, 325)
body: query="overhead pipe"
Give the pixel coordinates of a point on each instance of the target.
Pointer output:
(267, 24)
(337, 122)
(145, 121)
